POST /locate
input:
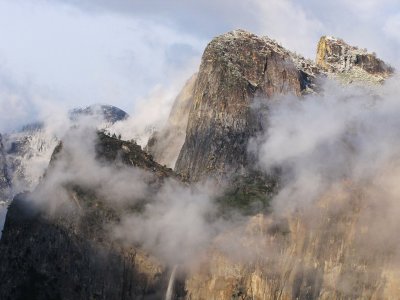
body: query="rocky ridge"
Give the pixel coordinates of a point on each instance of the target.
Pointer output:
(27, 152)
(350, 64)
(69, 253)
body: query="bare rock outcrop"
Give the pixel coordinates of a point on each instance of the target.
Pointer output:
(350, 64)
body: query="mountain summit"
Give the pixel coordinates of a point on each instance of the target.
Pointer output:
(25, 154)
(109, 113)
(236, 68)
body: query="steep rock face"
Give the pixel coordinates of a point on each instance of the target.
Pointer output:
(69, 258)
(236, 68)
(350, 64)
(326, 253)
(68, 253)
(166, 144)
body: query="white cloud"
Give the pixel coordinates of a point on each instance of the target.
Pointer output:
(118, 52)
(347, 133)
(288, 23)
(88, 58)
(392, 27)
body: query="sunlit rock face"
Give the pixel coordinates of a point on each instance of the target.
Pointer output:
(166, 144)
(350, 64)
(236, 68)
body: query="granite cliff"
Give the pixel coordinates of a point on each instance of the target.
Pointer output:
(236, 68)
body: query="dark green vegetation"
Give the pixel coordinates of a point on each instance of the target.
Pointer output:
(248, 194)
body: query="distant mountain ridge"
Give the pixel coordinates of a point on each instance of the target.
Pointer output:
(27, 152)
(109, 113)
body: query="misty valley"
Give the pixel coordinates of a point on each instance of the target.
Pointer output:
(274, 177)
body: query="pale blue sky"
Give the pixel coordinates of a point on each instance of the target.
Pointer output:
(58, 54)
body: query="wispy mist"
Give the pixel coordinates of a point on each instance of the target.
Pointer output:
(347, 133)
(177, 222)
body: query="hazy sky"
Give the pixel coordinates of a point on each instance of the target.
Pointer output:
(57, 54)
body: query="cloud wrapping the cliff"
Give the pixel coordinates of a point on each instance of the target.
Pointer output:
(338, 156)
(150, 114)
(319, 142)
(177, 226)
(177, 222)
(345, 133)
(338, 153)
